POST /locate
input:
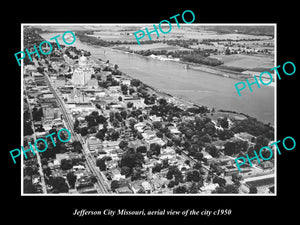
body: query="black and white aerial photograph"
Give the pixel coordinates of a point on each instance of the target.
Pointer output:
(149, 117)
(124, 113)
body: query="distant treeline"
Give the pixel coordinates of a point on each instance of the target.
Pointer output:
(195, 56)
(252, 30)
(100, 42)
(81, 35)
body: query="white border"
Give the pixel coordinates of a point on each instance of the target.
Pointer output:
(142, 24)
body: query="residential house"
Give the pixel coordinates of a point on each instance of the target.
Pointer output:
(146, 186)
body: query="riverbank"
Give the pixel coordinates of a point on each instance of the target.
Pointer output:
(94, 42)
(191, 85)
(182, 102)
(241, 76)
(193, 66)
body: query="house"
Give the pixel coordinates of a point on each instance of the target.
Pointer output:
(111, 164)
(155, 140)
(123, 190)
(155, 118)
(114, 89)
(206, 155)
(51, 113)
(126, 82)
(148, 134)
(102, 75)
(139, 126)
(146, 186)
(137, 102)
(118, 177)
(83, 182)
(174, 130)
(136, 186)
(208, 187)
(92, 83)
(158, 183)
(94, 144)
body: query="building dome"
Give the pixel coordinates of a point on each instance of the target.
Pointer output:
(83, 61)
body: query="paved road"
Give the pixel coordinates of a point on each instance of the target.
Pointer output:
(102, 187)
(37, 153)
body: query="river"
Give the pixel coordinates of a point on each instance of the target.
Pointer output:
(195, 86)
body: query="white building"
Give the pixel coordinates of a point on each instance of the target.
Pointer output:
(82, 74)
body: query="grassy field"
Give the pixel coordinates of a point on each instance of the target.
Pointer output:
(154, 46)
(247, 62)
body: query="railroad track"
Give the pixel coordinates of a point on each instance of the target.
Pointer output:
(102, 186)
(43, 183)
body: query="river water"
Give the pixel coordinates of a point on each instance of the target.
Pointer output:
(195, 86)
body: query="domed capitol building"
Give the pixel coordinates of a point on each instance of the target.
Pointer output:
(82, 72)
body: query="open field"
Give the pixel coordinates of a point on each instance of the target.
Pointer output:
(124, 32)
(154, 46)
(247, 62)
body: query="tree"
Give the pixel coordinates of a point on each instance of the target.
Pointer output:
(209, 128)
(229, 148)
(59, 185)
(253, 190)
(231, 188)
(236, 178)
(197, 165)
(135, 82)
(136, 174)
(193, 176)
(132, 160)
(114, 185)
(220, 181)
(28, 171)
(71, 178)
(98, 106)
(100, 135)
(123, 113)
(213, 151)
(125, 170)
(194, 188)
(154, 149)
(174, 172)
(37, 114)
(187, 162)
(77, 146)
(129, 104)
(157, 168)
(253, 127)
(141, 149)
(180, 189)
(115, 135)
(27, 128)
(171, 184)
(100, 119)
(157, 125)
(65, 164)
(223, 122)
(28, 187)
(232, 148)
(162, 101)
(123, 144)
(225, 134)
(206, 138)
(124, 89)
(84, 131)
(101, 164)
(76, 123)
